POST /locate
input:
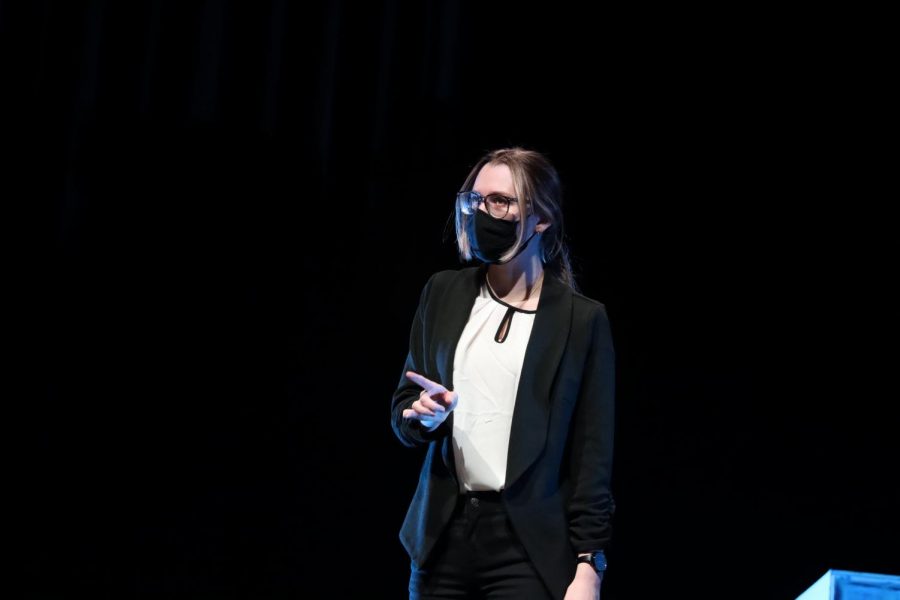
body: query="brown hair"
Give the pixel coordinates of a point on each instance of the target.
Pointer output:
(538, 189)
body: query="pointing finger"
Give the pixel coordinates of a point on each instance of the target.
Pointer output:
(431, 386)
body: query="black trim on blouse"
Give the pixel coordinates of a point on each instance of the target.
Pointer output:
(507, 318)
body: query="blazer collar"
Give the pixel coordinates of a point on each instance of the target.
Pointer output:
(549, 335)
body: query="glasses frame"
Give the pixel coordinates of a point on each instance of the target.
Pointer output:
(470, 199)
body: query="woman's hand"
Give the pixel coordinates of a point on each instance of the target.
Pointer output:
(586, 585)
(434, 404)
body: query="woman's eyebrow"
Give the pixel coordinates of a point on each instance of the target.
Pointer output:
(507, 194)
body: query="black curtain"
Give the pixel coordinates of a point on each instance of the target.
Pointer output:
(228, 210)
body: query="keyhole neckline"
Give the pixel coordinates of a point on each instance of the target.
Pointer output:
(506, 304)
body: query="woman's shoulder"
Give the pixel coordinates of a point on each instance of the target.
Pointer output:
(587, 309)
(588, 302)
(441, 281)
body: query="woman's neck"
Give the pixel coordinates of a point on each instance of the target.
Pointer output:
(517, 280)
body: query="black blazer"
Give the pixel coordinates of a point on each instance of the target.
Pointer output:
(557, 490)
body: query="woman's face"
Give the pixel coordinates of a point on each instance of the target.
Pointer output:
(497, 179)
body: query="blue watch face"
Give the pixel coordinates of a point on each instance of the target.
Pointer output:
(598, 559)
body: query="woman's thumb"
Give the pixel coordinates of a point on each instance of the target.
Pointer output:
(448, 399)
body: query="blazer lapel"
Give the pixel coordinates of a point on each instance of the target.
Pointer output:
(531, 415)
(458, 302)
(543, 353)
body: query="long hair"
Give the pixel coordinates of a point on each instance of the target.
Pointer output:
(538, 189)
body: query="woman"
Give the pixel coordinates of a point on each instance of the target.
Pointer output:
(509, 383)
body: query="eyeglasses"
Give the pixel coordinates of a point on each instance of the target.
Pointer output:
(497, 204)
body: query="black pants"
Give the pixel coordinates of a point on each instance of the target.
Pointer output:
(477, 556)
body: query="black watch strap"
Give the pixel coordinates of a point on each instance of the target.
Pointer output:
(597, 560)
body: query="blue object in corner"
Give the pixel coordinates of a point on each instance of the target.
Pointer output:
(853, 585)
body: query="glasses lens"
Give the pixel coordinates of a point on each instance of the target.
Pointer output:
(497, 205)
(468, 202)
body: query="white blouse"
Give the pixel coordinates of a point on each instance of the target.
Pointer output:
(486, 370)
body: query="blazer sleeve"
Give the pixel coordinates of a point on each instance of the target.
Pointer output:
(411, 432)
(591, 505)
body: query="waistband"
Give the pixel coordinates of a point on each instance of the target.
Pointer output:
(482, 495)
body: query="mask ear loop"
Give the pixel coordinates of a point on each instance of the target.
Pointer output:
(540, 241)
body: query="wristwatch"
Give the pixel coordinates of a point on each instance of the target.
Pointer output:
(595, 559)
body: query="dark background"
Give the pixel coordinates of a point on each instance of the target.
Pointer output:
(230, 210)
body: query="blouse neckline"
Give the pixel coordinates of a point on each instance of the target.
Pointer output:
(507, 305)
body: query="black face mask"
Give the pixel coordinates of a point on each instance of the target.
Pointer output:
(490, 237)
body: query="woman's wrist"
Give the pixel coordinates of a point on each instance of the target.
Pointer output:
(587, 573)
